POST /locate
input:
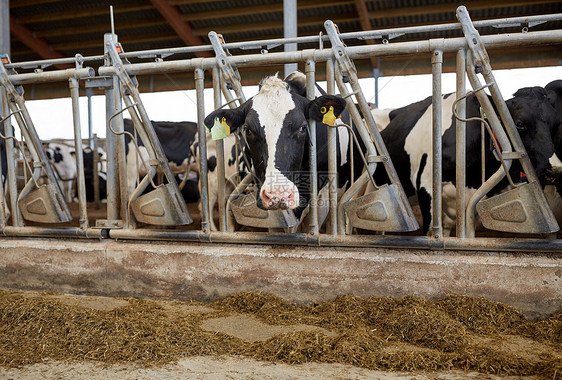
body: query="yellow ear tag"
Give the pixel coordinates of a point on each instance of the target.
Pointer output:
(220, 129)
(329, 117)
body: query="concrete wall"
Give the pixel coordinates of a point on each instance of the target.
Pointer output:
(530, 282)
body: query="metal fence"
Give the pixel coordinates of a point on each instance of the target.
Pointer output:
(134, 215)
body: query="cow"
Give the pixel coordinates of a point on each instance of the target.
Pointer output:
(88, 156)
(407, 138)
(553, 191)
(176, 139)
(274, 123)
(61, 157)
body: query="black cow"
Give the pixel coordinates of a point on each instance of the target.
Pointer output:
(408, 140)
(176, 139)
(88, 156)
(275, 125)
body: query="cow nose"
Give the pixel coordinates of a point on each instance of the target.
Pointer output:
(278, 198)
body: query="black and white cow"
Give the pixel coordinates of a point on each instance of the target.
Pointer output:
(408, 139)
(553, 191)
(176, 139)
(62, 159)
(275, 125)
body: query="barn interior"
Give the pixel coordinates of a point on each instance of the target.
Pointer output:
(99, 257)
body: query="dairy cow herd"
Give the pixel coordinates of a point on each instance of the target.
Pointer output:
(273, 138)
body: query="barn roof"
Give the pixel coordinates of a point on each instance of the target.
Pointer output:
(61, 28)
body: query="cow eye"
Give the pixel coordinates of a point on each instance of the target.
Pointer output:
(520, 126)
(249, 132)
(303, 128)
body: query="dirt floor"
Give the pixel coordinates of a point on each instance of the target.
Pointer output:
(251, 336)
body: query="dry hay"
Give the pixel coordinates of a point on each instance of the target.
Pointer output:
(456, 332)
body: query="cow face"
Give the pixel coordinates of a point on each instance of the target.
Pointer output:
(537, 124)
(274, 124)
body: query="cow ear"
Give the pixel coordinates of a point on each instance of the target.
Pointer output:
(234, 118)
(321, 108)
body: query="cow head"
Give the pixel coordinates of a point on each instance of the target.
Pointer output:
(274, 124)
(537, 124)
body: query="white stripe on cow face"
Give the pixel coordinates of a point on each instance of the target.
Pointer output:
(556, 164)
(272, 105)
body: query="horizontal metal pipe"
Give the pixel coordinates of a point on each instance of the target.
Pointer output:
(52, 76)
(354, 52)
(366, 241)
(69, 232)
(380, 33)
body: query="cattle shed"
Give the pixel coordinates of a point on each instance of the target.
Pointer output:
(156, 246)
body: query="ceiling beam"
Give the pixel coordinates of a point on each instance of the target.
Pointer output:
(38, 45)
(98, 28)
(260, 9)
(268, 25)
(182, 28)
(89, 12)
(451, 8)
(363, 14)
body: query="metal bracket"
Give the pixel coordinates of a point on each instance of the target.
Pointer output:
(228, 70)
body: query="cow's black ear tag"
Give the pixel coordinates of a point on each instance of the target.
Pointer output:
(220, 129)
(329, 116)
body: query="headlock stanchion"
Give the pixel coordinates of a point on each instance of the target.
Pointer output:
(243, 207)
(164, 205)
(523, 208)
(38, 203)
(387, 207)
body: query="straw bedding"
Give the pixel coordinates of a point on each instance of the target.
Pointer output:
(455, 332)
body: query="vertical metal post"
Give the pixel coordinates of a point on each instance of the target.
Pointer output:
(376, 76)
(96, 161)
(80, 181)
(111, 142)
(221, 183)
(332, 156)
(200, 87)
(17, 219)
(290, 30)
(5, 27)
(436, 70)
(461, 145)
(89, 93)
(310, 90)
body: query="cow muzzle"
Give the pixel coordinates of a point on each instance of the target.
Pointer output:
(278, 199)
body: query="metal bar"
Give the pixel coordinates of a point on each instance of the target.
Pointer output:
(310, 93)
(306, 39)
(437, 136)
(80, 180)
(200, 88)
(66, 232)
(111, 140)
(461, 146)
(394, 49)
(221, 178)
(95, 146)
(332, 157)
(290, 30)
(387, 241)
(17, 219)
